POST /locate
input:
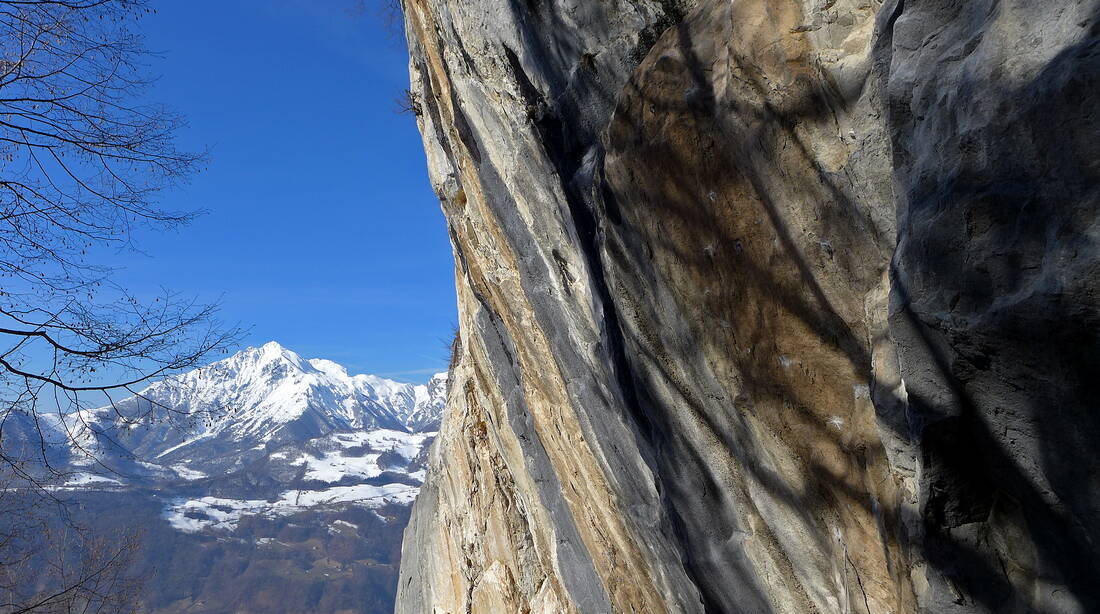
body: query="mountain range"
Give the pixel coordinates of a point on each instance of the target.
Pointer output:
(266, 465)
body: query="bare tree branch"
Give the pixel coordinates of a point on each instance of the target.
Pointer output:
(82, 162)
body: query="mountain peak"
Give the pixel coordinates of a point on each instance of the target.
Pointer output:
(264, 395)
(328, 367)
(272, 350)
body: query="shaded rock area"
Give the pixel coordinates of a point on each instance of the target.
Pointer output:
(765, 306)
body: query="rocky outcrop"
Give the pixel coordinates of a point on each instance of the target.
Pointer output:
(765, 306)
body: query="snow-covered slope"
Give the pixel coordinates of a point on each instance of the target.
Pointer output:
(262, 425)
(270, 463)
(239, 409)
(427, 409)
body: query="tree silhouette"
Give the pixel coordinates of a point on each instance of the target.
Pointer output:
(82, 160)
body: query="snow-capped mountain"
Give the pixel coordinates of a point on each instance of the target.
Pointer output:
(263, 432)
(290, 469)
(427, 410)
(239, 409)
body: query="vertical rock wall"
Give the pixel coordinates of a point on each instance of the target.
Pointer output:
(765, 306)
(993, 114)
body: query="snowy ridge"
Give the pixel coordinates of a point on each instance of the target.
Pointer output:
(268, 386)
(269, 395)
(264, 432)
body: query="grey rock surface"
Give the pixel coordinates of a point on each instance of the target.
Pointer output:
(780, 306)
(994, 301)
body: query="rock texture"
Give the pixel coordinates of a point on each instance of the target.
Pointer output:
(765, 306)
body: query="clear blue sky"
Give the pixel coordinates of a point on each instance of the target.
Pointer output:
(323, 232)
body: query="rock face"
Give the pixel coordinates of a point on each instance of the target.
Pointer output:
(765, 306)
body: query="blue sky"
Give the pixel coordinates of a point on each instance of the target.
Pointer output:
(323, 232)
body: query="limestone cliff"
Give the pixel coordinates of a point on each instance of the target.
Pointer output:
(765, 306)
